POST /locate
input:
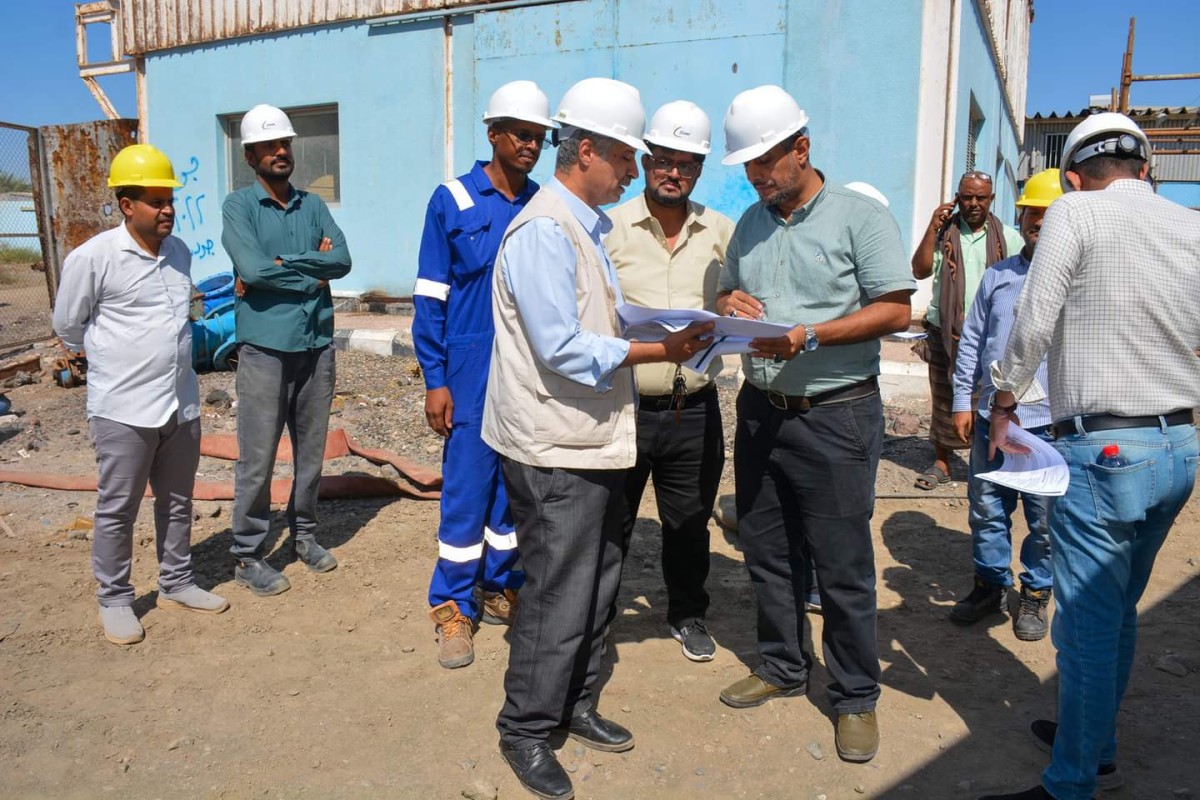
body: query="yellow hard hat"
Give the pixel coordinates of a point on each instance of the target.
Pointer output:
(1041, 190)
(142, 165)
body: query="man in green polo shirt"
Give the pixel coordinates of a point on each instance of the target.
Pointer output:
(285, 249)
(957, 247)
(830, 262)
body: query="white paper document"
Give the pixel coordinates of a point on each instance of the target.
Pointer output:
(1040, 471)
(730, 334)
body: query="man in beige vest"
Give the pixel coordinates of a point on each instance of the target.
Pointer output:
(560, 412)
(668, 253)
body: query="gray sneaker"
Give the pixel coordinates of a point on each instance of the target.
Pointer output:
(313, 556)
(192, 598)
(260, 577)
(121, 625)
(697, 644)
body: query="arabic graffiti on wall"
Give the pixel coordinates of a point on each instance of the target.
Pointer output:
(189, 212)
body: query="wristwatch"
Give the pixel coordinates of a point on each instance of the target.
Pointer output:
(993, 406)
(811, 342)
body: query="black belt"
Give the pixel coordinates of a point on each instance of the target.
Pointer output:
(665, 402)
(844, 394)
(1111, 422)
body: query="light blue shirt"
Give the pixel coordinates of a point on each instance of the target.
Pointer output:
(984, 337)
(538, 267)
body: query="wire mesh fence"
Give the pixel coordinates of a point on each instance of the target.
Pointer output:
(24, 298)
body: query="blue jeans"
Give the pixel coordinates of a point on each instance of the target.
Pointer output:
(990, 518)
(1105, 533)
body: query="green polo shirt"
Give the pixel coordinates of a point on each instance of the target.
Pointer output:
(285, 307)
(974, 247)
(833, 256)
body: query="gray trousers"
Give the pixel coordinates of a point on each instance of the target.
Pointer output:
(569, 530)
(128, 457)
(276, 388)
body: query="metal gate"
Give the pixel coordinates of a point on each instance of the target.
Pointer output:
(26, 286)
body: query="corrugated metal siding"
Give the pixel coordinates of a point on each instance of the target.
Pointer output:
(1166, 167)
(150, 25)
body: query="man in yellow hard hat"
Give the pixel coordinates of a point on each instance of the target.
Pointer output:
(984, 336)
(124, 298)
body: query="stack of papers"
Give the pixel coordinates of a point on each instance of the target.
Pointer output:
(730, 334)
(1040, 470)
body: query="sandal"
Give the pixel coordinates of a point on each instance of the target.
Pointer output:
(932, 478)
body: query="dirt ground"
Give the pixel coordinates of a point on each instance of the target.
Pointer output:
(332, 690)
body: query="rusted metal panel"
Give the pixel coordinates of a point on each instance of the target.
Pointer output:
(150, 25)
(74, 166)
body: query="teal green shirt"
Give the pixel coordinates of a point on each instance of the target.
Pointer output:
(974, 249)
(833, 256)
(285, 306)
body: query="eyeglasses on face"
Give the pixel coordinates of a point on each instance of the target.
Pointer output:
(526, 137)
(664, 166)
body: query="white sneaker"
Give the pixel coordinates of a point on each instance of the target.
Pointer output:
(121, 625)
(192, 598)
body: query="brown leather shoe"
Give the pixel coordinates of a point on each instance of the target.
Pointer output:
(455, 647)
(499, 608)
(857, 736)
(753, 691)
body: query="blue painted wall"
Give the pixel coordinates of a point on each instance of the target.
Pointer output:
(979, 80)
(854, 67)
(1186, 194)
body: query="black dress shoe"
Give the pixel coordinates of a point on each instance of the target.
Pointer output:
(539, 771)
(599, 733)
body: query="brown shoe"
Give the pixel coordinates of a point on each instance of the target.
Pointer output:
(857, 736)
(455, 648)
(754, 691)
(499, 608)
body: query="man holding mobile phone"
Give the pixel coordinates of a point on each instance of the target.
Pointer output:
(957, 247)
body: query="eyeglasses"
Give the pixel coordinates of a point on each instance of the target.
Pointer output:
(976, 175)
(525, 137)
(687, 169)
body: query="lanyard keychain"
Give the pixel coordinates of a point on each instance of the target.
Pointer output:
(678, 393)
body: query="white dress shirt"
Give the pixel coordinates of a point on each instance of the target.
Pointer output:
(129, 311)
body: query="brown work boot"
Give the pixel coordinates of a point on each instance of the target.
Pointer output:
(455, 648)
(857, 736)
(499, 608)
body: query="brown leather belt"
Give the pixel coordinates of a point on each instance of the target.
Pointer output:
(665, 402)
(1092, 423)
(843, 394)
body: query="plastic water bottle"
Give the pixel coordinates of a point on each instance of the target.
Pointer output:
(1111, 456)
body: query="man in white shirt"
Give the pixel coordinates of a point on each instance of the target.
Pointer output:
(124, 300)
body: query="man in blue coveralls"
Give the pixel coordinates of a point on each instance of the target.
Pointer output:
(452, 334)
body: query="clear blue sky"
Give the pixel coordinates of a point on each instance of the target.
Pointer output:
(1076, 49)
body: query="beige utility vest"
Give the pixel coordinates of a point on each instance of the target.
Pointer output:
(534, 415)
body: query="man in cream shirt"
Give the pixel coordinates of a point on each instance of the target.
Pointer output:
(668, 253)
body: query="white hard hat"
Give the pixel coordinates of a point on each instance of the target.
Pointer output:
(680, 125)
(757, 120)
(1126, 139)
(869, 190)
(264, 123)
(521, 100)
(607, 107)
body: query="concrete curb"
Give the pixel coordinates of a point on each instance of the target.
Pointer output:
(385, 342)
(898, 380)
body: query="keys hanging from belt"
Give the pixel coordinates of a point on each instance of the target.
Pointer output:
(678, 393)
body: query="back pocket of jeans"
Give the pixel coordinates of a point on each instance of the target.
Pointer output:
(1122, 494)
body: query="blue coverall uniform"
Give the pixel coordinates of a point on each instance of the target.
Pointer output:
(452, 336)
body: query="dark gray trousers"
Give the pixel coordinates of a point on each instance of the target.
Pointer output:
(685, 457)
(128, 457)
(277, 388)
(569, 533)
(806, 492)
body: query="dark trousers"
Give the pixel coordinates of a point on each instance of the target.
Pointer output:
(569, 534)
(686, 459)
(275, 389)
(806, 489)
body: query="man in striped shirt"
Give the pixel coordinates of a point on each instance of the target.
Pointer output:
(984, 335)
(1110, 301)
